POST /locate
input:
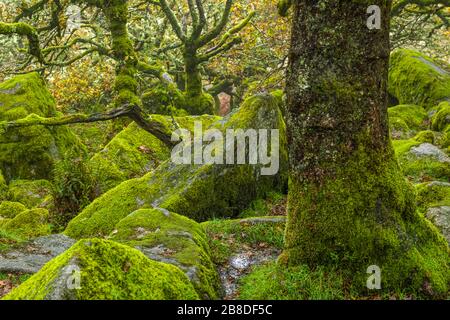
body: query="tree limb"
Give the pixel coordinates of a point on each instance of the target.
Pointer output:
(132, 112)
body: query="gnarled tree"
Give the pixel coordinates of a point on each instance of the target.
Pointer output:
(51, 45)
(193, 39)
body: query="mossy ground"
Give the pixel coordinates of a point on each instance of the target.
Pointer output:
(432, 194)
(272, 282)
(227, 237)
(11, 281)
(274, 205)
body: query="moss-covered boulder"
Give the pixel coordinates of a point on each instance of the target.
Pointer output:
(441, 119)
(31, 193)
(433, 194)
(440, 216)
(29, 152)
(107, 271)
(417, 79)
(30, 223)
(200, 192)
(406, 120)
(135, 152)
(421, 161)
(10, 209)
(433, 199)
(168, 237)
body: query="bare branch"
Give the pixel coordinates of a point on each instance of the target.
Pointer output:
(173, 20)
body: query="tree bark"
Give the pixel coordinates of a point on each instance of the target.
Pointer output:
(349, 205)
(193, 85)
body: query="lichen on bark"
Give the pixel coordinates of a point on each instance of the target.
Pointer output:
(349, 205)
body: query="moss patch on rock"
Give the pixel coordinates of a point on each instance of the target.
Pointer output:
(9, 210)
(416, 79)
(433, 194)
(135, 152)
(420, 160)
(30, 223)
(406, 120)
(29, 152)
(200, 192)
(168, 237)
(108, 271)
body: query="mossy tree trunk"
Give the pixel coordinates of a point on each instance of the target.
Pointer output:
(193, 79)
(349, 205)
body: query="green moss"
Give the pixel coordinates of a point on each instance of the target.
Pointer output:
(402, 147)
(163, 100)
(407, 119)
(168, 237)
(444, 141)
(229, 236)
(416, 79)
(9, 239)
(441, 120)
(93, 135)
(399, 128)
(29, 152)
(385, 228)
(135, 152)
(29, 223)
(130, 154)
(432, 194)
(265, 207)
(3, 187)
(198, 105)
(31, 193)
(272, 282)
(3, 221)
(200, 192)
(10, 209)
(109, 271)
(420, 169)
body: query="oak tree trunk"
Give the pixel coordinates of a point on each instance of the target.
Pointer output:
(349, 205)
